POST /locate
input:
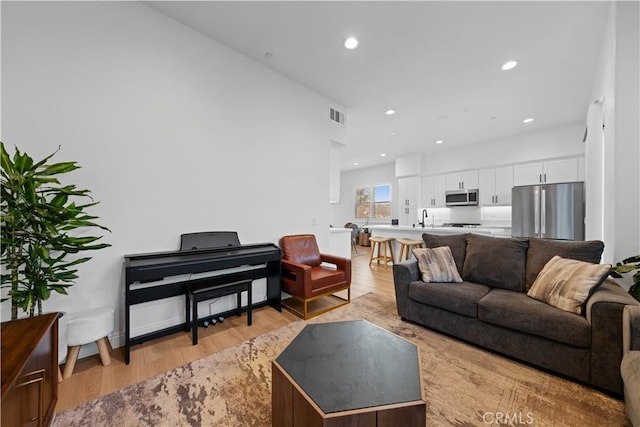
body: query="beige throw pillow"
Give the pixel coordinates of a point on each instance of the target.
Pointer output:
(566, 283)
(437, 265)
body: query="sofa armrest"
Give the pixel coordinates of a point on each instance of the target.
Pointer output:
(631, 328)
(403, 274)
(604, 312)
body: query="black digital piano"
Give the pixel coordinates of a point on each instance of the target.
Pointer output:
(199, 253)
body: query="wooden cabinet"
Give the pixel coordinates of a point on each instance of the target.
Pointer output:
(467, 180)
(408, 199)
(434, 188)
(547, 172)
(29, 370)
(495, 186)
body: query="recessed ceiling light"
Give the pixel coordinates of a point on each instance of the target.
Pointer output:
(383, 155)
(529, 120)
(390, 111)
(394, 132)
(355, 163)
(509, 65)
(440, 141)
(268, 55)
(351, 43)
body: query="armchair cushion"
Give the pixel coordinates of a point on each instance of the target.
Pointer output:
(323, 277)
(301, 248)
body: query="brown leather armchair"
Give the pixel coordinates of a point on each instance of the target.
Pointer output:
(306, 279)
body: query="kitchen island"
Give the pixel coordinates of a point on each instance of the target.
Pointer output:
(415, 233)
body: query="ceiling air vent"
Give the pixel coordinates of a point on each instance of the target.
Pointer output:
(336, 116)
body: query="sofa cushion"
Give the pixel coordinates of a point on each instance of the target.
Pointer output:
(461, 298)
(437, 265)
(542, 250)
(567, 283)
(516, 311)
(456, 242)
(495, 262)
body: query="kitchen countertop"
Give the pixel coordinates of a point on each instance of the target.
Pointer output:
(384, 230)
(339, 230)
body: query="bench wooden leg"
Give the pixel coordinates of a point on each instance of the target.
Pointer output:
(194, 322)
(249, 304)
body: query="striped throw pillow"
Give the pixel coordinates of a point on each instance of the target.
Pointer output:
(437, 265)
(567, 283)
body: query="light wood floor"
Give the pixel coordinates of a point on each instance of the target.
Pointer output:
(91, 380)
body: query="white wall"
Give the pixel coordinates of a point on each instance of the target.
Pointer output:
(345, 211)
(175, 133)
(558, 141)
(617, 86)
(627, 133)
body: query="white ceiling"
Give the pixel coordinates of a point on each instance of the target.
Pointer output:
(437, 63)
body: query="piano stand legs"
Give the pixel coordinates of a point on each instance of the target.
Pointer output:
(195, 294)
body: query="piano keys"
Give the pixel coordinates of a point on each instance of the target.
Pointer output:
(145, 274)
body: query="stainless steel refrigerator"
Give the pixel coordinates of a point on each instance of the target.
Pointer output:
(548, 211)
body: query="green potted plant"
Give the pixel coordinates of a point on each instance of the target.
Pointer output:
(43, 229)
(626, 266)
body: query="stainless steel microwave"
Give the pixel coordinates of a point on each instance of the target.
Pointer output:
(461, 198)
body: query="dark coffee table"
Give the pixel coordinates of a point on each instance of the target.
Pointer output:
(350, 373)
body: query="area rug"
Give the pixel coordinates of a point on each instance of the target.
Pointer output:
(464, 385)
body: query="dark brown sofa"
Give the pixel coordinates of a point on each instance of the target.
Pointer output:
(490, 308)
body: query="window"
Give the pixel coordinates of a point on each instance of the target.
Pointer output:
(378, 207)
(382, 201)
(363, 202)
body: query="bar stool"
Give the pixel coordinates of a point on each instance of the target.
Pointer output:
(406, 247)
(382, 243)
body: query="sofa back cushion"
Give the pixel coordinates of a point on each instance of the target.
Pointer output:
(542, 250)
(456, 242)
(496, 262)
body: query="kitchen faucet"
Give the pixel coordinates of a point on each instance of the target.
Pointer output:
(424, 217)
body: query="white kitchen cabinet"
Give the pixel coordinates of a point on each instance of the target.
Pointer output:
(462, 180)
(408, 215)
(409, 191)
(547, 172)
(495, 186)
(408, 199)
(434, 188)
(562, 170)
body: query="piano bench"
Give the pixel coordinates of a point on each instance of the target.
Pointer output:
(196, 293)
